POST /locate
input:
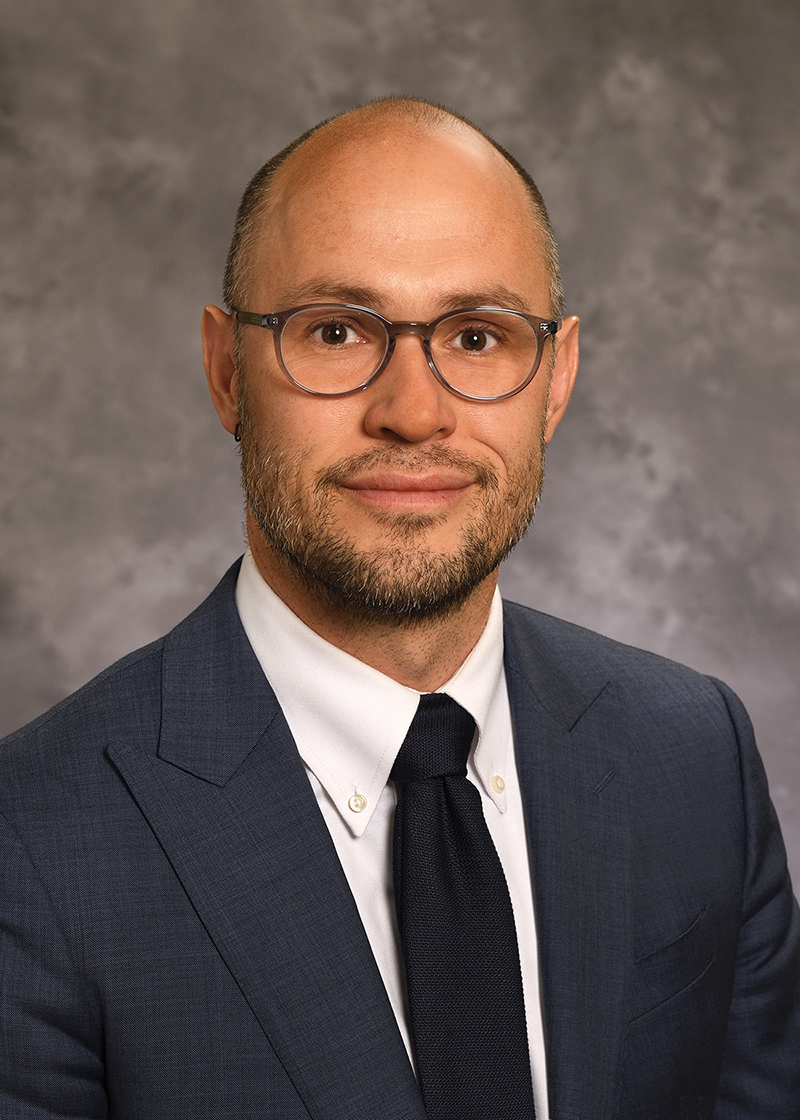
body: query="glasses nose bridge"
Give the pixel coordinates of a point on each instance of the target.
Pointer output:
(423, 332)
(403, 326)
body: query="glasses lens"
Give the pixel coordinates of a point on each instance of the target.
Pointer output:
(485, 353)
(332, 349)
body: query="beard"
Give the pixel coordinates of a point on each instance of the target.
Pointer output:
(402, 580)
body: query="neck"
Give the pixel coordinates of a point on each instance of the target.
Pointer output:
(421, 654)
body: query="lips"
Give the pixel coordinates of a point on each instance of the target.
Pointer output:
(429, 492)
(431, 481)
(408, 483)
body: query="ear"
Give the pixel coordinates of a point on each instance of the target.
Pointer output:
(217, 330)
(562, 377)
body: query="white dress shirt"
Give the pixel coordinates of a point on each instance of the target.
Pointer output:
(349, 721)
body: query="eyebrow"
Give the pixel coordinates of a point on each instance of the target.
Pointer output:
(326, 290)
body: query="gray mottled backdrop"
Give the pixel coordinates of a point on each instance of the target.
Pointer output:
(666, 139)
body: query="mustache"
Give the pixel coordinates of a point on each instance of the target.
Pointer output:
(410, 462)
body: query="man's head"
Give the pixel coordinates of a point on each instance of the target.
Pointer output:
(398, 502)
(379, 114)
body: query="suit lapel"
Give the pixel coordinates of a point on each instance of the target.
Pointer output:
(228, 798)
(572, 772)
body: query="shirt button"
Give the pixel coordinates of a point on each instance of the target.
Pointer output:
(497, 783)
(358, 802)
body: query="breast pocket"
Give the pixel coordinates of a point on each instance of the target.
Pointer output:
(674, 967)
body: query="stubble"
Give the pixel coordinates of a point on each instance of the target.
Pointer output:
(402, 580)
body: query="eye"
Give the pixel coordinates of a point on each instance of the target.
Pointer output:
(335, 333)
(475, 339)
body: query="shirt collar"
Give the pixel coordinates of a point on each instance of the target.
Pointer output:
(349, 720)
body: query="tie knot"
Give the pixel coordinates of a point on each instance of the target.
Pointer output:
(438, 741)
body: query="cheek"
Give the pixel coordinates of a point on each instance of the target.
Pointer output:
(320, 431)
(512, 433)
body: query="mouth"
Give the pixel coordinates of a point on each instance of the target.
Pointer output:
(428, 492)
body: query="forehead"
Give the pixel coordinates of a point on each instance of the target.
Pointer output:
(398, 207)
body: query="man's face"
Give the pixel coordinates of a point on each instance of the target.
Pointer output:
(397, 502)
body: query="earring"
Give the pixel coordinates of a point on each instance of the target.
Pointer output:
(237, 432)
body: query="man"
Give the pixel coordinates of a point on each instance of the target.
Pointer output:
(198, 910)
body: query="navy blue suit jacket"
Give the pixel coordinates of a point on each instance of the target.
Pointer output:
(177, 938)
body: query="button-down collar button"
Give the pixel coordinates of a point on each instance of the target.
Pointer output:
(497, 783)
(358, 802)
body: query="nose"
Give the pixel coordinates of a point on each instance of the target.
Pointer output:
(407, 403)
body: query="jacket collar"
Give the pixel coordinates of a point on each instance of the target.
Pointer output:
(215, 706)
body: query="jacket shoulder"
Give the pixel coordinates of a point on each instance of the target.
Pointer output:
(562, 658)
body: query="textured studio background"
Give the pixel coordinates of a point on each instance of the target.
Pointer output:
(666, 139)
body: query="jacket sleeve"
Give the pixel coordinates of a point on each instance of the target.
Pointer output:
(50, 1040)
(761, 1065)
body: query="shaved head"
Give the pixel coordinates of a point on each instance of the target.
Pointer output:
(393, 120)
(393, 503)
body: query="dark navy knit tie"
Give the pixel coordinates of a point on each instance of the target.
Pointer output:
(457, 929)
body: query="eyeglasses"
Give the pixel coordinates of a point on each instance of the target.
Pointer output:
(337, 349)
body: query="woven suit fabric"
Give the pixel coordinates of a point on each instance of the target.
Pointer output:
(457, 929)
